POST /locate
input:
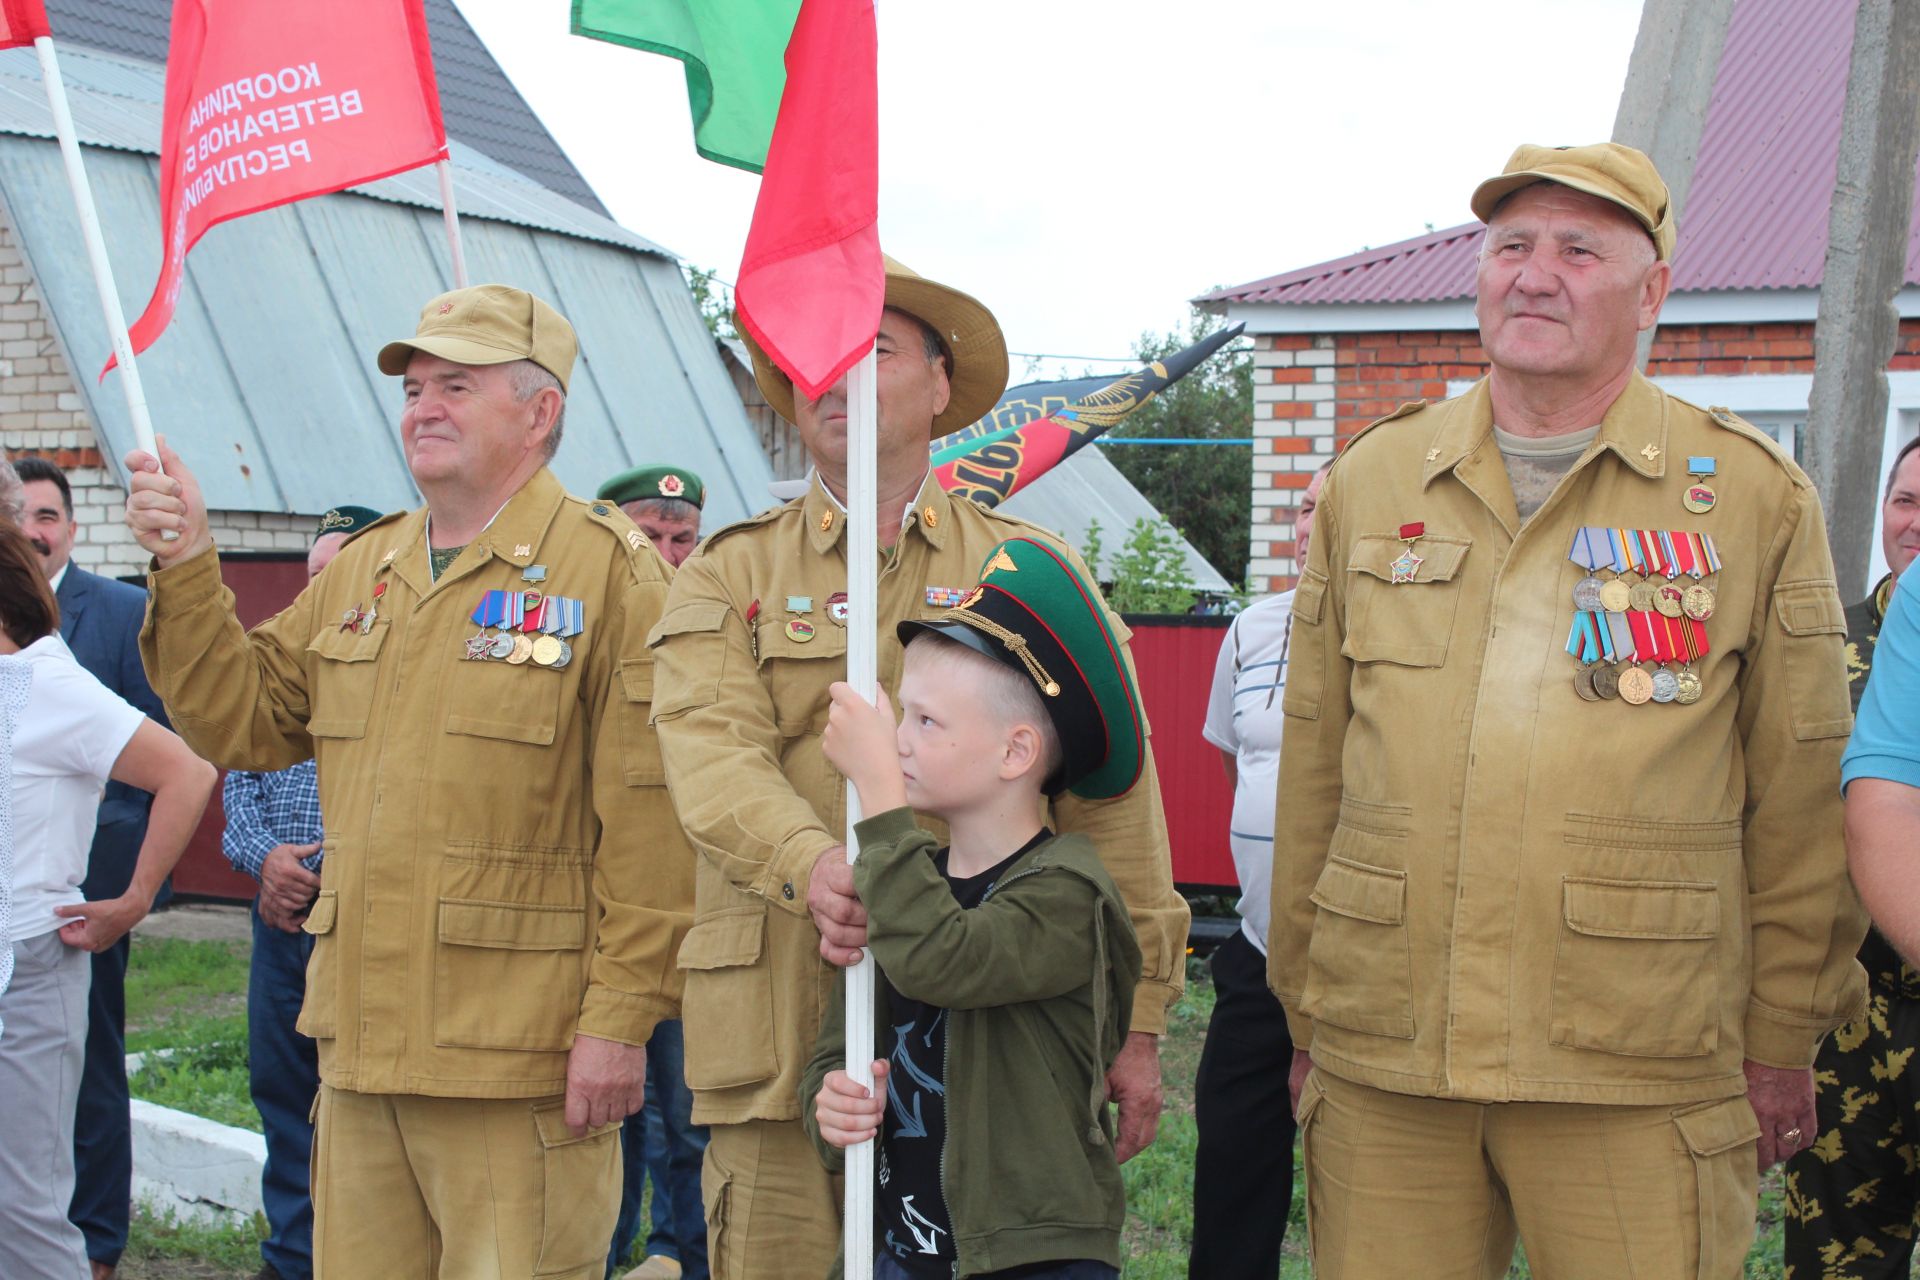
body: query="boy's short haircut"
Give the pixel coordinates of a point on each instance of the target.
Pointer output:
(1010, 695)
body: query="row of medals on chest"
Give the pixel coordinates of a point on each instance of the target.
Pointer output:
(527, 627)
(1662, 617)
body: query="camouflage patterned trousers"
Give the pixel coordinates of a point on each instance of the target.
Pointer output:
(1853, 1198)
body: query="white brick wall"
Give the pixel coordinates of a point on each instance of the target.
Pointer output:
(1274, 502)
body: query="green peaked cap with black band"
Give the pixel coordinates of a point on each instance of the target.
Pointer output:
(1034, 612)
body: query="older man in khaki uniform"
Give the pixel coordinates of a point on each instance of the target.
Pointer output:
(1560, 904)
(504, 886)
(755, 631)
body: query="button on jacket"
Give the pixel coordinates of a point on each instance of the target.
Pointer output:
(502, 866)
(1487, 888)
(746, 651)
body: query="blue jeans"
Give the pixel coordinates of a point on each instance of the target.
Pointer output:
(661, 1141)
(284, 1076)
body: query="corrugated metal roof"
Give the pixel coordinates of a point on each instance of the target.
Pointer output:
(116, 103)
(479, 104)
(1086, 487)
(1757, 214)
(282, 312)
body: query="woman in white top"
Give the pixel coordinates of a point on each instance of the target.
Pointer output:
(68, 736)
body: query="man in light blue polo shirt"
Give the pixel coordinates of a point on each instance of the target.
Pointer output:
(1881, 776)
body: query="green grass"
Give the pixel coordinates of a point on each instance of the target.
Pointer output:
(190, 998)
(160, 1245)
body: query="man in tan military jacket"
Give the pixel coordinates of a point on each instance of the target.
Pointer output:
(505, 886)
(755, 631)
(1560, 904)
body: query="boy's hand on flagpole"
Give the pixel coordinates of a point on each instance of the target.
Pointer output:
(860, 742)
(158, 504)
(848, 1111)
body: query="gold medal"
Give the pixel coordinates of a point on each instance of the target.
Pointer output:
(546, 650)
(1688, 688)
(799, 630)
(1640, 597)
(1697, 602)
(1615, 595)
(522, 650)
(1636, 686)
(1667, 598)
(1699, 498)
(1583, 685)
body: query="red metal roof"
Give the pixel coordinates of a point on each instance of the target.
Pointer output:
(1757, 215)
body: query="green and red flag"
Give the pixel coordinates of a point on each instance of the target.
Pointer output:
(734, 52)
(22, 22)
(789, 88)
(1040, 424)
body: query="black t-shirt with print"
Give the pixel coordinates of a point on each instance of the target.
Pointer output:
(911, 1207)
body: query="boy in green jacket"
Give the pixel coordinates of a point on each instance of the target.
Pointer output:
(1007, 961)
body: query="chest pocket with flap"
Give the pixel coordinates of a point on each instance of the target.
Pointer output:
(1405, 623)
(343, 680)
(798, 672)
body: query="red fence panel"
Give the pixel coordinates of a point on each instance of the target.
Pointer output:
(1173, 656)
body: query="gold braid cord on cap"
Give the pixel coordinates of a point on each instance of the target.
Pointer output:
(1016, 644)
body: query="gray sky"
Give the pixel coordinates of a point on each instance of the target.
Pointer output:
(1084, 168)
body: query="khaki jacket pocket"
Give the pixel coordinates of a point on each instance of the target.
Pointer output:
(1719, 1138)
(798, 672)
(1359, 958)
(345, 679)
(318, 1018)
(1814, 628)
(1408, 623)
(508, 975)
(727, 1013)
(577, 1217)
(640, 762)
(1635, 971)
(1306, 681)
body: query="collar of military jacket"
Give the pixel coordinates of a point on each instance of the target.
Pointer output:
(513, 536)
(827, 520)
(1635, 428)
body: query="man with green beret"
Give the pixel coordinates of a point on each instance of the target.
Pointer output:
(665, 502)
(1560, 901)
(504, 886)
(755, 632)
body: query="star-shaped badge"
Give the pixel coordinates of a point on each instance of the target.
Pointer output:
(1406, 565)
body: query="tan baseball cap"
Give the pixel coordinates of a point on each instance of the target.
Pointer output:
(1613, 172)
(488, 324)
(975, 346)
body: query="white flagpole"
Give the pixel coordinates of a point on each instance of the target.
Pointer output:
(452, 216)
(863, 620)
(96, 246)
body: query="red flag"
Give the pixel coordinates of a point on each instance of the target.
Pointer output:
(271, 103)
(811, 282)
(22, 22)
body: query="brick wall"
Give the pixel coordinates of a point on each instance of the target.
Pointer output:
(42, 413)
(1312, 392)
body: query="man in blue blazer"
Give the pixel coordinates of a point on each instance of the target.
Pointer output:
(100, 621)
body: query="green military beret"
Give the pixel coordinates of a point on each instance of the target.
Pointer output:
(654, 482)
(1034, 612)
(346, 520)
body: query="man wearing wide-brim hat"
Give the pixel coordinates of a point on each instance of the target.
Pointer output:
(1560, 909)
(504, 886)
(755, 632)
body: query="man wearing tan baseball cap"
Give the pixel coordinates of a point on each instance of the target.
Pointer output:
(1560, 905)
(505, 884)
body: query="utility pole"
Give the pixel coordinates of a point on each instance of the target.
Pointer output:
(1866, 264)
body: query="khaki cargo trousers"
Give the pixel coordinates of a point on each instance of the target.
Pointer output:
(459, 1189)
(1402, 1186)
(773, 1211)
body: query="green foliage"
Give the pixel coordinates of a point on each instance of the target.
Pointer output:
(1204, 490)
(207, 1079)
(182, 993)
(714, 297)
(1149, 572)
(160, 1244)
